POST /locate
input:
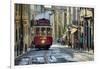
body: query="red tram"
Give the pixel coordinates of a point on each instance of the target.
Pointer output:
(43, 34)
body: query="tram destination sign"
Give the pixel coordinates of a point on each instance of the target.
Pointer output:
(42, 22)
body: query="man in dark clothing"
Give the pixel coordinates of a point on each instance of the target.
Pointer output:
(81, 42)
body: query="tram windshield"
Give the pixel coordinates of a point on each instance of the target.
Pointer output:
(37, 31)
(49, 31)
(43, 31)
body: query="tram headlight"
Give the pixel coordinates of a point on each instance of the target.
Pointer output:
(43, 41)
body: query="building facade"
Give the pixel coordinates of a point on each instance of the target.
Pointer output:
(87, 27)
(22, 28)
(74, 24)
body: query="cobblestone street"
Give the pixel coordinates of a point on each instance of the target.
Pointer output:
(56, 54)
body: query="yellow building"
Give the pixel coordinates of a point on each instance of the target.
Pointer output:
(22, 28)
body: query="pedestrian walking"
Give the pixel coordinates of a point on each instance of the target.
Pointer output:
(81, 43)
(25, 47)
(76, 43)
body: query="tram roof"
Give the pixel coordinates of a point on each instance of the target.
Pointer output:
(42, 26)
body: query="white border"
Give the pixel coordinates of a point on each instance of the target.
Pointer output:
(12, 35)
(76, 3)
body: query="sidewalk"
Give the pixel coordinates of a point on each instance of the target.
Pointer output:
(83, 55)
(84, 51)
(58, 45)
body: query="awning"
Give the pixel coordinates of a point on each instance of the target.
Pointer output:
(73, 30)
(64, 35)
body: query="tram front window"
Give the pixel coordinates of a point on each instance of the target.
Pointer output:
(43, 31)
(49, 31)
(37, 31)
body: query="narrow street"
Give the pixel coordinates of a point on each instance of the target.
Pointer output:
(56, 54)
(53, 34)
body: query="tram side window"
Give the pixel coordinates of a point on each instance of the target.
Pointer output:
(37, 31)
(43, 31)
(49, 31)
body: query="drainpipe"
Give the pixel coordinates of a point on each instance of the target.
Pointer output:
(21, 29)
